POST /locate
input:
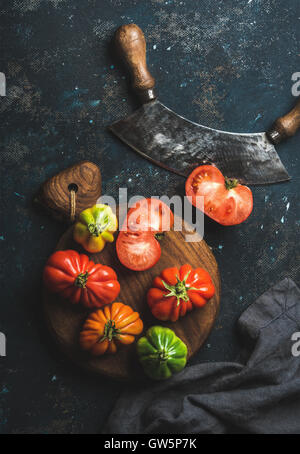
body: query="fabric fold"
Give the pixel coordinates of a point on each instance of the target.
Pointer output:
(261, 396)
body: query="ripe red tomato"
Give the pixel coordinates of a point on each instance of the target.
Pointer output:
(138, 251)
(225, 200)
(177, 291)
(80, 280)
(137, 247)
(149, 215)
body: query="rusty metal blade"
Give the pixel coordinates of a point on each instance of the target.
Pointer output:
(179, 145)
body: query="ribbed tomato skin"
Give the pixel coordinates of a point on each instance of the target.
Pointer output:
(62, 270)
(165, 307)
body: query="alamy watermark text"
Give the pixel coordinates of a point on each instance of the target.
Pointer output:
(2, 344)
(2, 84)
(296, 85)
(296, 345)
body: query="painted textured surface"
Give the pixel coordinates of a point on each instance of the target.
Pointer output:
(227, 65)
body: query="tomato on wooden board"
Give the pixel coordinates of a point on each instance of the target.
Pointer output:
(149, 215)
(161, 353)
(80, 280)
(138, 251)
(137, 246)
(177, 291)
(225, 200)
(106, 328)
(95, 227)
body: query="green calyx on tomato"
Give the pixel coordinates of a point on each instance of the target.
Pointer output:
(179, 290)
(231, 183)
(110, 331)
(161, 353)
(81, 280)
(97, 229)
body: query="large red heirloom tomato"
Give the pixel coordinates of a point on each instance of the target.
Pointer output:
(80, 280)
(176, 291)
(225, 200)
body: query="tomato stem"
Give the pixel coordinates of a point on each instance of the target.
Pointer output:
(97, 229)
(231, 183)
(110, 331)
(163, 356)
(179, 290)
(81, 280)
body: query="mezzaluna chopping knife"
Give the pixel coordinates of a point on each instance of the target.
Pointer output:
(179, 145)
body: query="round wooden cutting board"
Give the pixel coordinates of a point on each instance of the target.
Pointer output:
(65, 321)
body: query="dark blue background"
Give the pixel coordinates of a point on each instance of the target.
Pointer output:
(226, 64)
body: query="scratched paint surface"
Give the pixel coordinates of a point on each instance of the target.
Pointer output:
(224, 64)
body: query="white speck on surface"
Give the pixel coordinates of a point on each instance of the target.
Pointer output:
(54, 378)
(220, 247)
(287, 206)
(154, 46)
(169, 48)
(258, 117)
(282, 220)
(262, 226)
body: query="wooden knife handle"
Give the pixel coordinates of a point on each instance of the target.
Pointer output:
(131, 43)
(286, 126)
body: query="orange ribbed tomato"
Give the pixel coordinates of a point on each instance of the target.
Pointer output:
(105, 328)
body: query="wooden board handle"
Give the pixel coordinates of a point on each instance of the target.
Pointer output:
(285, 126)
(131, 44)
(71, 191)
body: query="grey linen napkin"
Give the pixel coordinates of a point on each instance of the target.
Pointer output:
(261, 396)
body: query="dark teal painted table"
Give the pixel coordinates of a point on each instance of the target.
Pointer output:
(227, 65)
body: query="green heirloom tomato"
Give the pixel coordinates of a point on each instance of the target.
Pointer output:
(161, 353)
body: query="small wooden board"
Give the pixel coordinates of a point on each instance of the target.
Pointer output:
(65, 321)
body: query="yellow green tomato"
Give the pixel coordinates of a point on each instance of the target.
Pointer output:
(95, 227)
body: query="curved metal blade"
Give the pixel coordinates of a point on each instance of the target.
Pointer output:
(179, 145)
